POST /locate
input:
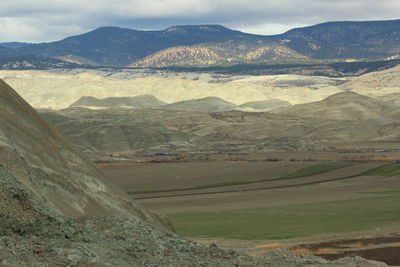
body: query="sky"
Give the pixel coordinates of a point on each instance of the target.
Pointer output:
(51, 20)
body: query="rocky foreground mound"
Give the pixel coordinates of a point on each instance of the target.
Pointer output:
(56, 209)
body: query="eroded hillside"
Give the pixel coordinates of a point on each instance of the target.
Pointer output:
(344, 118)
(56, 91)
(219, 54)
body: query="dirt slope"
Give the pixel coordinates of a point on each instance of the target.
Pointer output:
(44, 161)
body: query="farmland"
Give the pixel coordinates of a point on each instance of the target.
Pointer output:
(250, 203)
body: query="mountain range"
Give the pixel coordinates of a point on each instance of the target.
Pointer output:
(205, 45)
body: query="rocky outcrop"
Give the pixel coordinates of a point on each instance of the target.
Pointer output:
(230, 52)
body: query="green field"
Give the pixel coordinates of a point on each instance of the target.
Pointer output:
(291, 221)
(312, 170)
(389, 170)
(316, 169)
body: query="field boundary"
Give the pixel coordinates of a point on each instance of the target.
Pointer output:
(233, 183)
(265, 188)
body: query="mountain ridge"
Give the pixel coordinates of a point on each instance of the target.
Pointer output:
(127, 45)
(346, 39)
(114, 46)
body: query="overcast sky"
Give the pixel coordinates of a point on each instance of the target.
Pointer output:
(49, 20)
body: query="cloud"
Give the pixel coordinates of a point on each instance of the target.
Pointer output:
(48, 20)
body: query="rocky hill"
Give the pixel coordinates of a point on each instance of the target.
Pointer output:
(231, 52)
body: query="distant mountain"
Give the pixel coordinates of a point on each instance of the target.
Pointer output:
(14, 44)
(207, 104)
(119, 47)
(4, 51)
(142, 101)
(205, 45)
(345, 40)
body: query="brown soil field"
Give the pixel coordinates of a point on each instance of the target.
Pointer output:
(385, 249)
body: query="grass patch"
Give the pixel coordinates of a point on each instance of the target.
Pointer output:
(316, 169)
(387, 170)
(312, 170)
(290, 221)
(193, 188)
(392, 193)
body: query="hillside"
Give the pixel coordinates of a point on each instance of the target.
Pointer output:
(342, 106)
(47, 184)
(42, 162)
(341, 118)
(14, 44)
(141, 101)
(121, 130)
(208, 104)
(230, 52)
(30, 62)
(5, 51)
(377, 83)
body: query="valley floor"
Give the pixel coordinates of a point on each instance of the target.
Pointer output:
(330, 204)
